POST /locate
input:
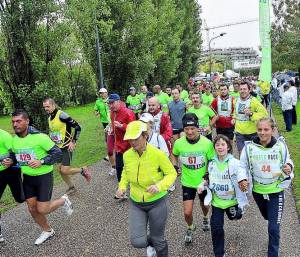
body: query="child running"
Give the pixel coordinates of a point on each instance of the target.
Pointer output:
(223, 193)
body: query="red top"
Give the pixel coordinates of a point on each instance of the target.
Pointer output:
(223, 122)
(124, 116)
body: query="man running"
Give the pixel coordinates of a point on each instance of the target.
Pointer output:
(248, 110)
(162, 97)
(223, 105)
(183, 93)
(133, 101)
(36, 153)
(162, 124)
(120, 116)
(60, 128)
(177, 109)
(207, 97)
(143, 94)
(194, 152)
(9, 175)
(207, 117)
(102, 111)
(236, 90)
(169, 93)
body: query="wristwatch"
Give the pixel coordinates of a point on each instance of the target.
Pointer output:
(42, 161)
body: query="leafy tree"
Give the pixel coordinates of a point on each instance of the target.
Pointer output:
(34, 36)
(190, 39)
(286, 35)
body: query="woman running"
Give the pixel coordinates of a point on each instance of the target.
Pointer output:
(266, 168)
(226, 196)
(149, 173)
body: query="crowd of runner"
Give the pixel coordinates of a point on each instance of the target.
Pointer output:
(152, 138)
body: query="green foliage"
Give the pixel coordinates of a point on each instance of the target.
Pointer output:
(189, 13)
(293, 141)
(40, 56)
(47, 48)
(216, 66)
(152, 41)
(286, 35)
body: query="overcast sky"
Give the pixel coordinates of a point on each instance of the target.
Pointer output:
(219, 12)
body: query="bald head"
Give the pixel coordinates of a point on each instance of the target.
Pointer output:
(153, 104)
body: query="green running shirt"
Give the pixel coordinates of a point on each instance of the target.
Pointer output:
(204, 114)
(5, 146)
(32, 147)
(194, 159)
(102, 107)
(207, 99)
(134, 103)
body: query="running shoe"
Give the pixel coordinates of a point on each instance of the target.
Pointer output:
(112, 172)
(151, 251)
(67, 205)
(45, 235)
(188, 238)
(71, 190)
(106, 158)
(124, 197)
(1, 238)
(205, 224)
(172, 188)
(86, 173)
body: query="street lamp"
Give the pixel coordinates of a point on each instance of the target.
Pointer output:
(209, 48)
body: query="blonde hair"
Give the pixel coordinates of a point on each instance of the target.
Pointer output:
(267, 119)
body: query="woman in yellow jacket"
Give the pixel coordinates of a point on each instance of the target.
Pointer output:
(149, 173)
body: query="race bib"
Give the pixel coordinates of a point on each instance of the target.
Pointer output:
(224, 106)
(224, 191)
(25, 155)
(220, 182)
(241, 112)
(56, 137)
(265, 170)
(266, 165)
(193, 162)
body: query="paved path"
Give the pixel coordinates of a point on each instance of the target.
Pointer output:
(98, 227)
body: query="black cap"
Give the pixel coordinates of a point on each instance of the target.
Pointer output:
(190, 119)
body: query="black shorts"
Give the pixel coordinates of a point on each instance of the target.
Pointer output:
(177, 131)
(228, 132)
(104, 124)
(189, 193)
(38, 186)
(12, 177)
(66, 157)
(209, 136)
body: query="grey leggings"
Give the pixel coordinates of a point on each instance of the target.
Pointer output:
(155, 213)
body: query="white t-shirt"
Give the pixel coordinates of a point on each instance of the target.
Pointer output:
(158, 141)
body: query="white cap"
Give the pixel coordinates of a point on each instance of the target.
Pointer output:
(146, 117)
(102, 90)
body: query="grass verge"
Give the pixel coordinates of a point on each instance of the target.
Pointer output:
(293, 140)
(90, 147)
